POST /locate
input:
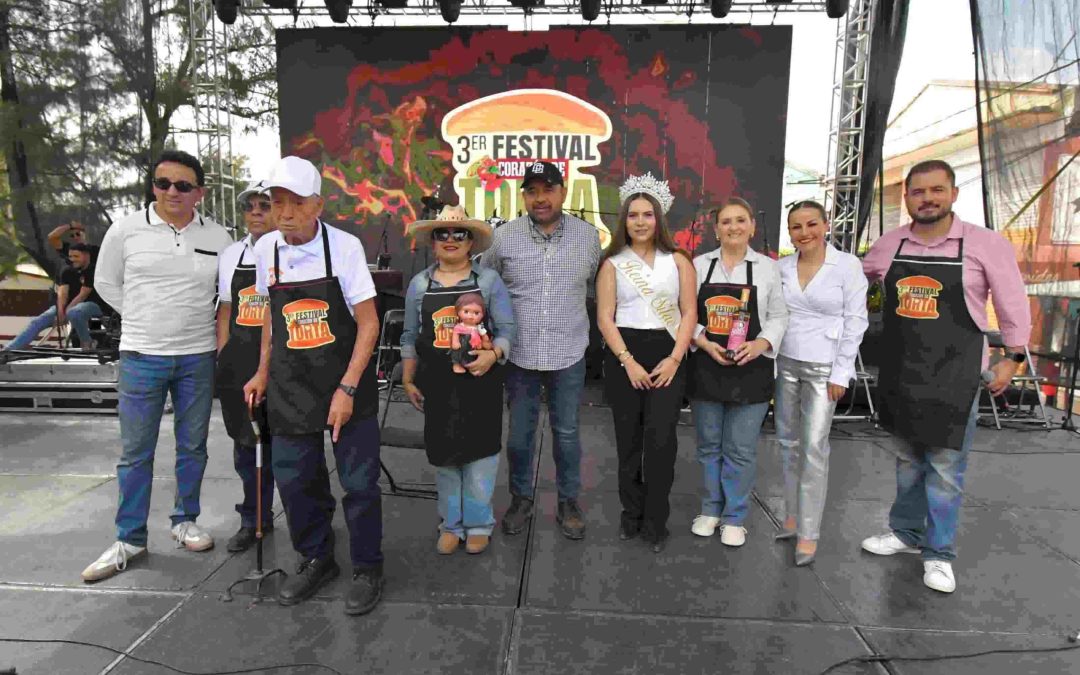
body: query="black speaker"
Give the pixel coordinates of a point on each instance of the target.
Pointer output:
(720, 8)
(836, 9)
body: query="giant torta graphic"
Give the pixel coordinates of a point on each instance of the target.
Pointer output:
(495, 139)
(917, 297)
(252, 307)
(445, 319)
(306, 322)
(721, 311)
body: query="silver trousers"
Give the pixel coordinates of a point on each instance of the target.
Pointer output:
(803, 419)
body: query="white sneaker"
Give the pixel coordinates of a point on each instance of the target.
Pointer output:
(732, 535)
(887, 544)
(114, 560)
(192, 537)
(938, 575)
(704, 526)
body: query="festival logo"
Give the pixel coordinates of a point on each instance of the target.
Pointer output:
(444, 321)
(251, 307)
(918, 297)
(721, 311)
(497, 138)
(306, 322)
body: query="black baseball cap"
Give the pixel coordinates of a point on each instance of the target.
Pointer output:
(545, 171)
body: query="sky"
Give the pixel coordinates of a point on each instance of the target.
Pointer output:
(938, 46)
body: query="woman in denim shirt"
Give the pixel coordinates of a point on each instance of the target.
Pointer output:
(462, 413)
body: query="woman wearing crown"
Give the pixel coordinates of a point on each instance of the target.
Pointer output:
(646, 311)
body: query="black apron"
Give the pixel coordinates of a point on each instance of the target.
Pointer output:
(933, 350)
(709, 381)
(313, 337)
(239, 358)
(462, 413)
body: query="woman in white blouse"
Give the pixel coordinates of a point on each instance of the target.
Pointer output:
(645, 310)
(825, 291)
(731, 385)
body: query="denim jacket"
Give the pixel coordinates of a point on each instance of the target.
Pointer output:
(496, 298)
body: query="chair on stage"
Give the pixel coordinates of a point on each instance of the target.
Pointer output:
(863, 380)
(1024, 381)
(389, 367)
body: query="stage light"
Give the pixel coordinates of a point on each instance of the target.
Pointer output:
(450, 10)
(526, 5)
(226, 10)
(339, 10)
(836, 9)
(719, 8)
(590, 9)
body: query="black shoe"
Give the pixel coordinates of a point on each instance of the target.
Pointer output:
(364, 593)
(517, 516)
(657, 543)
(244, 538)
(629, 528)
(310, 576)
(570, 520)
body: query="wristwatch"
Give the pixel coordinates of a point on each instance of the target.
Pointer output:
(1017, 357)
(349, 391)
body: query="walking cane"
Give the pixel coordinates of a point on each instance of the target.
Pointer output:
(256, 574)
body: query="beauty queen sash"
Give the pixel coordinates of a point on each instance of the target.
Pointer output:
(640, 276)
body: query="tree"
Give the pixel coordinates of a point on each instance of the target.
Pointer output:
(90, 92)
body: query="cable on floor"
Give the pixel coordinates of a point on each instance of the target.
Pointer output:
(884, 658)
(120, 652)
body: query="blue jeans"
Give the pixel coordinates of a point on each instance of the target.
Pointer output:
(244, 463)
(727, 437)
(565, 388)
(144, 381)
(304, 483)
(465, 496)
(79, 317)
(929, 491)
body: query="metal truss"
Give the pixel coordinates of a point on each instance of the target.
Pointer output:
(847, 137)
(213, 121)
(364, 9)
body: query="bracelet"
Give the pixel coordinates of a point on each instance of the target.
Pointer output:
(677, 359)
(628, 356)
(619, 355)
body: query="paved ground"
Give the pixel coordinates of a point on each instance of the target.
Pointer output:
(538, 603)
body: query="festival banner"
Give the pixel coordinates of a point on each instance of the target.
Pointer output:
(393, 115)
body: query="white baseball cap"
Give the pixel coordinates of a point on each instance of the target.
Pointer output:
(296, 175)
(257, 188)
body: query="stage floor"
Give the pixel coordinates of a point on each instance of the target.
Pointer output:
(539, 603)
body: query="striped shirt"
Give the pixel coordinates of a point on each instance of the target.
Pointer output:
(548, 279)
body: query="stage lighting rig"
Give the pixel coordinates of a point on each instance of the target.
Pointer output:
(836, 9)
(719, 8)
(393, 4)
(450, 10)
(339, 10)
(226, 10)
(280, 4)
(590, 9)
(526, 6)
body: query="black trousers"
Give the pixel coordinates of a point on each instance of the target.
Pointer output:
(645, 422)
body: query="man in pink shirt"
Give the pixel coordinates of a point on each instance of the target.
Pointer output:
(938, 273)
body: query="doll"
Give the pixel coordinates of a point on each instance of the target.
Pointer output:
(469, 332)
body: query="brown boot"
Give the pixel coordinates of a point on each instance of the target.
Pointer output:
(477, 543)
(448, 543)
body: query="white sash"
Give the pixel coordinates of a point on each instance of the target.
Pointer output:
(635, 271)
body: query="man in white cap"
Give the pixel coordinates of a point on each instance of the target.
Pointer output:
(316, 372)
(158, 269)
(241, 312)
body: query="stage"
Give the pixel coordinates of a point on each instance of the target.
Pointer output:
(539, 603)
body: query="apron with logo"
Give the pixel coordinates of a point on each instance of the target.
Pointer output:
(462, 413)
(933, 350)
(239, 358)
(313, 337)
(718, 305)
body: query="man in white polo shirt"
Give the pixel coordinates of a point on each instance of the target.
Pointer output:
(158, 269)
(317, 374)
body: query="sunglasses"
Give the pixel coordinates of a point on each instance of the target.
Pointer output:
(182, 186)
(264, 207)
(445, 234)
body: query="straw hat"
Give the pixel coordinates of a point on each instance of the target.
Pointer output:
(453, 217)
